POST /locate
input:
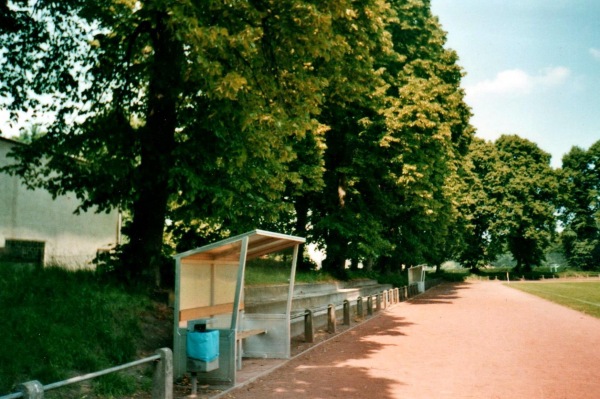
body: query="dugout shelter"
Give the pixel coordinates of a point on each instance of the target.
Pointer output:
(209, 289)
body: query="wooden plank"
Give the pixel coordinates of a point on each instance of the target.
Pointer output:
(249, 333)
(206, 311)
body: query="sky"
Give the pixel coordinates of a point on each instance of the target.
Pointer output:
(532, 68)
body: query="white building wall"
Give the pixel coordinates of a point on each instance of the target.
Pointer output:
(70, 240)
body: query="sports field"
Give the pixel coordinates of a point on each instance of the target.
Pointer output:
(583, 296)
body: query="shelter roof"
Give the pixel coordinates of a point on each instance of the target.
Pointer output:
(260, 242)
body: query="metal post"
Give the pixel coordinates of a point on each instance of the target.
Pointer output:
(309, 332)
(378, 302)
(346, 312)
(386, 299)
(32, 390)
(359, 307)
(331, 318)
(194, 384)
(370, 305)
(162, 387)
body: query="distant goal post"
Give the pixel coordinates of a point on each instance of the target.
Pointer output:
(416, 275)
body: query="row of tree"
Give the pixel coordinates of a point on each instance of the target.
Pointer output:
(336, 120)
(523, 206)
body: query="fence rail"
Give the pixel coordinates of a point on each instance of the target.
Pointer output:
(162, 387)
(364, 304)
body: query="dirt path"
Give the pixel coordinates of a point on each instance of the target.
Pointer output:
(468, 340)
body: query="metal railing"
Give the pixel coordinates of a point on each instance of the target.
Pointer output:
(162, 387)
(365, 306)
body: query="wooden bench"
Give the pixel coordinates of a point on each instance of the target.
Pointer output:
(239, 337)
(206, 311)
(249, 333)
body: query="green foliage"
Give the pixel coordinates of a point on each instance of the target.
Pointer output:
(233, 116)
(505, 260)
(477, 208)
(172, 107)
(392, 157)
(580, 207)
(396, 279)
(56, 323)
(339, 121)
(518, 201)
(454, 275)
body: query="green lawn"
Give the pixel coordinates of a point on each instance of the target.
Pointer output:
(583, 296)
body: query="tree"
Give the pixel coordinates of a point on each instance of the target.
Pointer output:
(519, 202)
(339, 216)
(227, 116)
(391, 161)
(579, 201)
(477, 207)
(167, 104)
(424, 135)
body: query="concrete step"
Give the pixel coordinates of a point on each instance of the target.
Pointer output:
(273, 298)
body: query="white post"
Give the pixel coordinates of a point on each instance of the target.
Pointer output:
(32, 390)
(162, 387)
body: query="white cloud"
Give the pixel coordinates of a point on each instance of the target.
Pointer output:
(595, 53)
(519, 82)
(553, 76)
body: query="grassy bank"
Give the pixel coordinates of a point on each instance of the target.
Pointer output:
(56, 324)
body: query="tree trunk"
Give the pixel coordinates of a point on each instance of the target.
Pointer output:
(143, 253)
(368, 265)
(335, 262)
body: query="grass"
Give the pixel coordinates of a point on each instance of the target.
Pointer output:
(502, 273)
(582, 296)
(57, 323)
(269, 271)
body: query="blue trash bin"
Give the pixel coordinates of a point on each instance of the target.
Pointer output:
(203, 350)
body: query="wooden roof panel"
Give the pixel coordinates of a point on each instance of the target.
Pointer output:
(260, 243)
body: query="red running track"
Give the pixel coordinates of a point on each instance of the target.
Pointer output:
(465, 340)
